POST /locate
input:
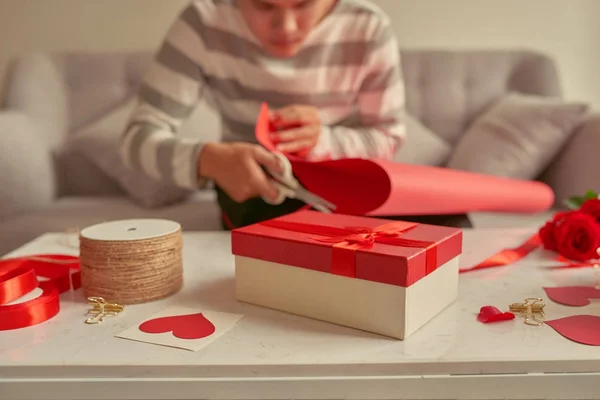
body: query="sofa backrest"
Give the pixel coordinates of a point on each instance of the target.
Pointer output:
(445, 90)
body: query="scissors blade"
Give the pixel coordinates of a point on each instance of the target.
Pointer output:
(319, 199)
(321, 208)
(291, 187)
(313, 200)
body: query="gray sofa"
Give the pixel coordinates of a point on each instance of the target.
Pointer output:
(48, 186)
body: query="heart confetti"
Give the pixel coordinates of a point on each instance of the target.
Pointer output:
(489, 314)
(575, 296)
(584, 329)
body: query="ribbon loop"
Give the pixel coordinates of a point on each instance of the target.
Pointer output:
(19, 276)
(16, 283)
(347, 240)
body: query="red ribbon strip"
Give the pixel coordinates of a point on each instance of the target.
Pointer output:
(347, 240)
(18, 276)
(508, 256)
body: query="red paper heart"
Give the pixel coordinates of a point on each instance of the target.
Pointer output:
(576, 296)
(191, 326)
(492, 314)
(583, 329)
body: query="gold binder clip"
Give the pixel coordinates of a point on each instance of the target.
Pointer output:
(100, 309)
(532, 310)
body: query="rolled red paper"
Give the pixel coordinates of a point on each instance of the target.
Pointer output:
(388, 188)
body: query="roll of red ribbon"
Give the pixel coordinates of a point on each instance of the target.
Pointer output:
(16, 283)
(19, 276)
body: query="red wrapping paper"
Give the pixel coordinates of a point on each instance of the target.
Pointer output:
(396, 189)
(392, 252)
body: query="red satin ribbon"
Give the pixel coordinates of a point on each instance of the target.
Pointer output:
(347, 240)
(508, 256)
(16, 283)
(18, 276)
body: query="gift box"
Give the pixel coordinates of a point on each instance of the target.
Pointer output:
(381, 276)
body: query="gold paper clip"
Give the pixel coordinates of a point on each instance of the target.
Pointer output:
(101, 309)
(532, 310)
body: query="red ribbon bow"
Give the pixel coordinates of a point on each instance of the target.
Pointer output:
(18, 276)
(347, 240)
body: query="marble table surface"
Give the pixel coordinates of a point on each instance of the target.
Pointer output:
(270, 354)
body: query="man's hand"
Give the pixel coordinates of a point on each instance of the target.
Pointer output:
(297, 128)
(236, 168)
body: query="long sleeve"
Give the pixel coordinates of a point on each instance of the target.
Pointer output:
(170, 91)
(379, 130)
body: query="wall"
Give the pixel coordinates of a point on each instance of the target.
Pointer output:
(566, 29)
(46, 25)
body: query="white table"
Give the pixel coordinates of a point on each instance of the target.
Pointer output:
(273, 355)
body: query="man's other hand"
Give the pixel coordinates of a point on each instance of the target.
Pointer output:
(295, 129)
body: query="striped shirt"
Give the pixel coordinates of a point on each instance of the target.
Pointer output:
(349, 68)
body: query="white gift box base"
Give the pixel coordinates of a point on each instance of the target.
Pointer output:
(384, 309)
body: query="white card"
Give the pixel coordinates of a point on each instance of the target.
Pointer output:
(182, 327)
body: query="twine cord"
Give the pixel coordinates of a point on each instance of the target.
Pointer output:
(129, 271)
(134, 271)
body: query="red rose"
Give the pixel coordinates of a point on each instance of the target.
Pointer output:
(591, 207)
(547, 234)
(560, 216)
(577, 236)
(548, 231)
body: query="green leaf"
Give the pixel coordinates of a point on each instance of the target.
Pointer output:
(573, 203)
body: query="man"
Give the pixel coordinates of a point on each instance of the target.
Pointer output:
(329, 69)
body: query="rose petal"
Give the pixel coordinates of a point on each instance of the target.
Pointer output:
(492, 314)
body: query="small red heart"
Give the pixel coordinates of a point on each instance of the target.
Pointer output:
(576, 296)
(584, 329)
(492, 314)
(191, 326)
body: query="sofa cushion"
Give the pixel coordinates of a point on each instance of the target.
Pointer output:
(99, 143)
(77, 175)
(518, 136)
(446, 89)
(422, 146)
(200, 212)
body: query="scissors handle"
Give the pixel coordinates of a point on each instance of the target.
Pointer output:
(286, 177)
(289, 187)
(284, 181)
(283, 192)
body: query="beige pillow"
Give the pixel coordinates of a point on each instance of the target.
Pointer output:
(99, 143)
(422, 146)
(518, 136)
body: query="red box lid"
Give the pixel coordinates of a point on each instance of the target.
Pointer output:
(392, 252)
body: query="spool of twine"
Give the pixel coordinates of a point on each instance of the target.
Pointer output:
(132, 261)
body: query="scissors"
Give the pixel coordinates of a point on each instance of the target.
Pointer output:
(288, 186)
